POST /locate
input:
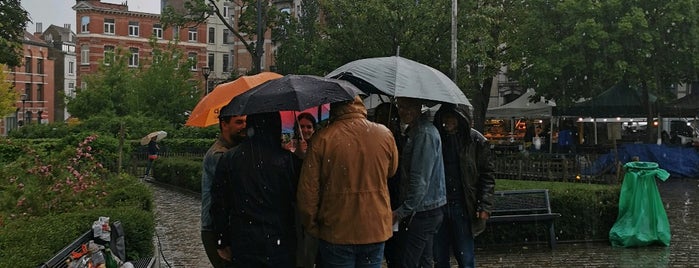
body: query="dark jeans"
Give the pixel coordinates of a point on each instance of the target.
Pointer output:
(416, 238)
(150, 165)
(334, 255)
(391, 251)
(455, 235)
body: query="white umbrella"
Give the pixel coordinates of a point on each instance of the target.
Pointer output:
(158, 134)
(401, 77)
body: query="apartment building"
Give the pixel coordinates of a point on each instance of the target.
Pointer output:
(102, 28)
(34, 83)
(61, 41)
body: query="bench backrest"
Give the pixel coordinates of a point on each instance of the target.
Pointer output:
(532, 201)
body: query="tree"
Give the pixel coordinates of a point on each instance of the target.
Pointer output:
(165, 89)
(256, 17)
(590, 45)
(299, 41)
(8, 95)
(13, 19)
(160, 88)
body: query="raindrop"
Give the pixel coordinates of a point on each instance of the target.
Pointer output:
(279, 242)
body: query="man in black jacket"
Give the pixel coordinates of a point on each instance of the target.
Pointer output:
(469, 173)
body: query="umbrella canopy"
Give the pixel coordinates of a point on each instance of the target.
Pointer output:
(401, 77)
(158, 134)
(291, 93)
(206, 112)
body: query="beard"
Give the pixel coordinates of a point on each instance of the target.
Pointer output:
(238, 137)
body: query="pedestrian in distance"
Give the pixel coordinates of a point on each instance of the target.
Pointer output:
(422, 190)
(232, 133)
(253, 198)
(153, 150)
(470, 182)
(343, 194)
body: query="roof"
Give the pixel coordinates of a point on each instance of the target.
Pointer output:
(620, 100)
(523, 107)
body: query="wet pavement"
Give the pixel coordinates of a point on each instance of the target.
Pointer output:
(177, 227)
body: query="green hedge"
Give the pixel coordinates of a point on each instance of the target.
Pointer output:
(183, 172)
(588, 211)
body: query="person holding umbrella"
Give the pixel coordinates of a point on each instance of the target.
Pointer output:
(153, 149)
(232, 133)
(253, 197)
(343, 193)
(422, 187)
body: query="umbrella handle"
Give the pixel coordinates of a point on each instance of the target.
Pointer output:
(298, 127)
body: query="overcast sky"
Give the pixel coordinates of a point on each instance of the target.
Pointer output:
(59, 12)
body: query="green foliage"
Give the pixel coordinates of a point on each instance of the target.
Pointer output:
(589, 46)
(8, 95)
(180, 171)
(12, 22)
(164, 91)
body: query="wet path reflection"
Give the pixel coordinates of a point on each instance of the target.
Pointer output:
(177, 227)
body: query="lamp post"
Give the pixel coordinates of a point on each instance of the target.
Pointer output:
(23, 97)
(205, 71)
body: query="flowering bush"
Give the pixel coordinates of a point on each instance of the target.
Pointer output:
(42, 181)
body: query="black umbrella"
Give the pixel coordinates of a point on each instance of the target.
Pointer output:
(290, 93)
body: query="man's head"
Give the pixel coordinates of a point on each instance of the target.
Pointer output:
(409, 109)
(233, 128)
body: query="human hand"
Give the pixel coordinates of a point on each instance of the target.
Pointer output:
(224, 253)
(395, 217)
(484, 215)
(303, 145)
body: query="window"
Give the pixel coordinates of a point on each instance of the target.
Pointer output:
(192, 34)
(83, 85)
(193, 60)
(108, 26)
(226, 63)
(85, 55)
(212, 35)
(211, 61)
(225, 11)
(40, 92)
(133, 60)
(71, 89)
(108, 55)
(226, 36)
(28, 91)
(27, 64)
(84, 24)
(40, 66)
(175, 32)
(158, 31)
(71, 67)
(133, 28)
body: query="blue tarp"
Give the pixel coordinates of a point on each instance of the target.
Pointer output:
(678, 161)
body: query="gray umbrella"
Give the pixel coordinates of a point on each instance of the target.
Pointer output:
(401, 77)
(290, 93)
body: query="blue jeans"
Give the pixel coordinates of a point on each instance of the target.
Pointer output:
(455, 235)
(417, 236)
(150, 165)
(334, 255)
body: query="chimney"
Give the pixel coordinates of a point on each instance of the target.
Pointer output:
(39, 27)
(67, 26)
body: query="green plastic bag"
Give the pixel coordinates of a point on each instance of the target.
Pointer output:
(642, 219)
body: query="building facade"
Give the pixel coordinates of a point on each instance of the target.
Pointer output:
(104, 28)
(61, 42)
(34, 83)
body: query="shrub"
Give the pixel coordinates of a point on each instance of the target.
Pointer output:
(180, 171)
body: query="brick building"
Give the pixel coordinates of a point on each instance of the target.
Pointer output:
(34, 83)
(102, 28)
(61, 41)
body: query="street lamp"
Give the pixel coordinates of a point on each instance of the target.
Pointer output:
(205, 71)
(23, 97)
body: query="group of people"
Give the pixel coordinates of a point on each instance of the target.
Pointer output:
(401, 188)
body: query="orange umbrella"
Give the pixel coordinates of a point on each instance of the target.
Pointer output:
(206, 112)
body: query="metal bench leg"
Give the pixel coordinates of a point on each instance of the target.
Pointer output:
(552, 236)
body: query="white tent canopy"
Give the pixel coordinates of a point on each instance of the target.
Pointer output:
(522, 107)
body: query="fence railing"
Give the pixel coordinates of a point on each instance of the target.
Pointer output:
(520, 165)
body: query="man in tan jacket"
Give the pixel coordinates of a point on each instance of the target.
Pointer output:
(343, 193)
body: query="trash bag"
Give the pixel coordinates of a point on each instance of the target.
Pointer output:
(642, 219)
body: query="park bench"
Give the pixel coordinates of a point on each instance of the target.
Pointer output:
(525, 206)
(59, 260)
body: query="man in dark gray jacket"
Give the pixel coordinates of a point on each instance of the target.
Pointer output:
(470, 182)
